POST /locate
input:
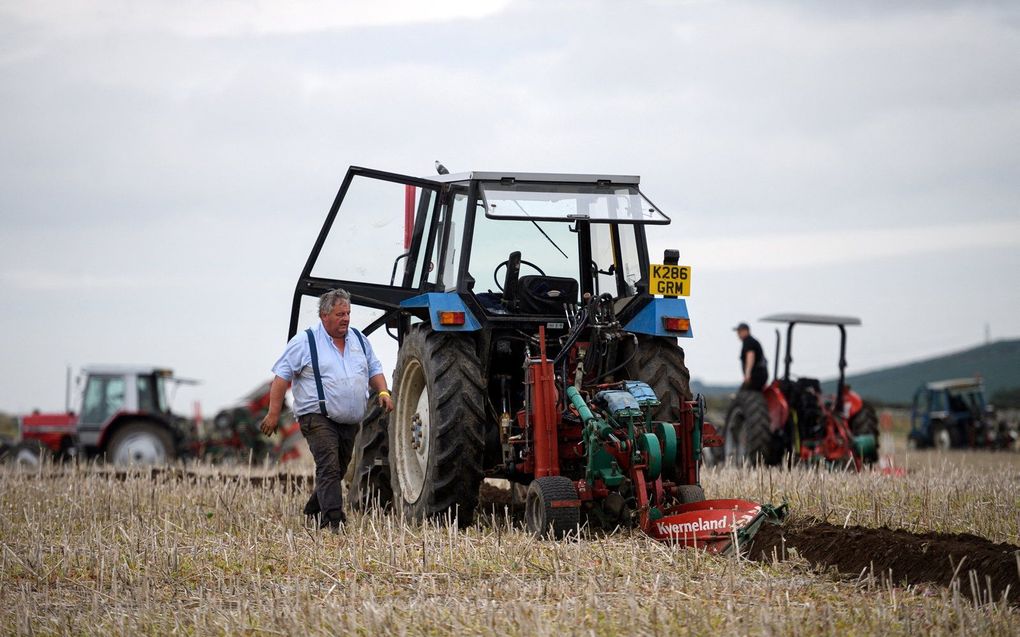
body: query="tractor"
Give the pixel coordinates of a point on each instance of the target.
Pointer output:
(535, 343)
(124, 417)
(792, 418)
(950, 414)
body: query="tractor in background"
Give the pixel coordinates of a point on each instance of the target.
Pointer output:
(792, 418)
(536, 342)
(951, 414)
(126, 419)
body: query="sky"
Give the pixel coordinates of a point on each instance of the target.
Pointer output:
(166, 166)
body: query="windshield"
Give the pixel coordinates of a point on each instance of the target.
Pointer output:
(563, 202)
(552, 249)
(966, 399)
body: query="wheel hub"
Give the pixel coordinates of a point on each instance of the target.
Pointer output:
(416, 440)
(140, 448)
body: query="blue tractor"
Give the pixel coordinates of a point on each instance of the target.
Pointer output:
(949, 414)
(536, 341)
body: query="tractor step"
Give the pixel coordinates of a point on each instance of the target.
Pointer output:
(718, 526)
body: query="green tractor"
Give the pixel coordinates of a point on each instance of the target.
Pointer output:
(536, 342)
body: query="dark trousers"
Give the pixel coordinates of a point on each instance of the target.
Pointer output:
(331, 444)
(759, 377)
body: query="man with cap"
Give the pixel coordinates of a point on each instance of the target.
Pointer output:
(752, 360)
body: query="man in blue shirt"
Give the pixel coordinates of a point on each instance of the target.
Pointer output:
(347, 369)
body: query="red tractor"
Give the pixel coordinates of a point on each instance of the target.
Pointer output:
(125, 418)
(792, 416)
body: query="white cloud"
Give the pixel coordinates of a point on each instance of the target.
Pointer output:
(66, 281)
(775, 251)
(201, 18)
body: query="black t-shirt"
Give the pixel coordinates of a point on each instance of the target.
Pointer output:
(751, 344)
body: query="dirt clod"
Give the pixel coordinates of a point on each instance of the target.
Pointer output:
(910, 558)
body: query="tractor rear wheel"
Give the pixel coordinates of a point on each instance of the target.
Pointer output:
(865, 422)
(747, 432)
(660, 363)
(691, 493)
(370, 468)
(436, 431)
(141, 443)
(552, 508)
(944, 435)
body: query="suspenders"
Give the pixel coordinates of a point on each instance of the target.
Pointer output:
(315, 365)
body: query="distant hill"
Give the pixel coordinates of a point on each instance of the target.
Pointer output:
(698, 387)
(998, 363)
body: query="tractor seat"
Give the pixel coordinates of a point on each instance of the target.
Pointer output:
(545, 294)
(804, 384)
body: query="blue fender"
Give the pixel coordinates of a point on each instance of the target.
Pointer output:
(649, 319)
(436, 302)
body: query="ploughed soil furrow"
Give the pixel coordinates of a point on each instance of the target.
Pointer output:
(911, 558)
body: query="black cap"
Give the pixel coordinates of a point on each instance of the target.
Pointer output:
(742, 326)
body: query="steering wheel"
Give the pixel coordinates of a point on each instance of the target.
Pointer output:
(495, 273)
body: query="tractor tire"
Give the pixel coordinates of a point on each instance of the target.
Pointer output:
(141, 443)
(369, 479)
(691, 493)
(552, 508)
(660, 363)
(436, 430)
(29, 454)
(943, 436)
(866, 422)
(747, 432)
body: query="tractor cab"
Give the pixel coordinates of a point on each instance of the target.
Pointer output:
(493, 256)
(472, 250)
(113, 395)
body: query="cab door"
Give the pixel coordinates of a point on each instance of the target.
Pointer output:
(371, 243)
(105, 396)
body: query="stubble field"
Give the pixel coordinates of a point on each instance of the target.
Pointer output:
(88, 551)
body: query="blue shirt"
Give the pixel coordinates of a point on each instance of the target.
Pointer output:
(344, 376)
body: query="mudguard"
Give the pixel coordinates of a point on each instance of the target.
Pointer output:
(649, 319)
(436, 302)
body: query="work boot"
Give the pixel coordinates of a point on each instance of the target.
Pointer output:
(333, 520)
(312, 508)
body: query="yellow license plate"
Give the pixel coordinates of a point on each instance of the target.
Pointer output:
(669, 280)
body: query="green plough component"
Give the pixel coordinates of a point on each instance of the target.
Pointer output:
(666, 433)
(649, 446)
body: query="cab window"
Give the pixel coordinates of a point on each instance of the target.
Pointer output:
(104, 396)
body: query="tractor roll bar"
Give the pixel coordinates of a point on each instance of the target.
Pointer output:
(841, 322)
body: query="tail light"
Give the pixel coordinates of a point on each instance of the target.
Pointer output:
(451, 318)
(676, 324)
